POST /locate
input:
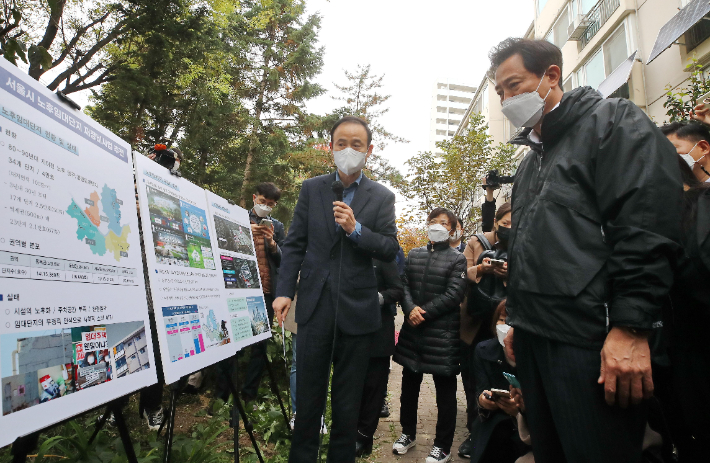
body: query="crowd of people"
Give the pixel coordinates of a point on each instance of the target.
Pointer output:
(576, 317)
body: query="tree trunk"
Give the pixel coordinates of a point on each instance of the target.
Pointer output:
(254, 135)
(50, 33)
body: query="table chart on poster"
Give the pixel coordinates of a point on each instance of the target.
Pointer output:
(17, 265)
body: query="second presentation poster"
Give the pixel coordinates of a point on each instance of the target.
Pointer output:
(196, 261)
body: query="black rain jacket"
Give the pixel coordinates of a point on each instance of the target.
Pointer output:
(596, 221)
(435, 280)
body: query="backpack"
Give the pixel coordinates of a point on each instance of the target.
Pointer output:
(484, 296)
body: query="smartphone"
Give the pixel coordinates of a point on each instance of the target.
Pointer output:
(704, 100)
(266, 223)
(512, 380)
(497, 262)
(497, 393)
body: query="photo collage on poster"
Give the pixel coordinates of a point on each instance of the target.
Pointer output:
(40, 366)
(180, 232)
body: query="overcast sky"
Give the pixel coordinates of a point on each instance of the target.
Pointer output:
(413, 44)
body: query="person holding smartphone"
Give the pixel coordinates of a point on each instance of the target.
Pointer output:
(493, 434)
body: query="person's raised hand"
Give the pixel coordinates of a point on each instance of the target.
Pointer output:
(485, 403)
(508, 405)
(517, 396)
(701, 113)
(268, 232)
(485, 266)
(508, 343)
(501, 272)
(256, 230)
(626, 367)
(281, 307)
(416, 316)
(344, 216)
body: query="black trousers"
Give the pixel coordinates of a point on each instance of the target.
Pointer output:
(469, 385)
(373, 395)
(257, 359)
(445, 404)
(350, 361)
(568, 418)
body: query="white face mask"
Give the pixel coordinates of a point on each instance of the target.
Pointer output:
(689, 159)
(349, 161)
(525, 110)
(501, 332)
(438, 233)
(262, 210)
(456, 237)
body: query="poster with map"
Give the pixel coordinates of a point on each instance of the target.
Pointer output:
(187, 287)
(71, 273)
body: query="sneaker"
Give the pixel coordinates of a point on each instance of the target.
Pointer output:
(323, 427)
(465, 448)
(154, 419)
(403, 444)
(437, 455)
(385, 412)
(292, 422)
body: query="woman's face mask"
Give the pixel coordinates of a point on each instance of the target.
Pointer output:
(438, 233)
(503, 235)
(501, 333)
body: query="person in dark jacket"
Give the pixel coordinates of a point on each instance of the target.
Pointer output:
(596, 220)
(429, 341)
(494, 435)
(690, 303)
(391, 291)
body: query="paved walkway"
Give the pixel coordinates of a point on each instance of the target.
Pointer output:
(389, 429)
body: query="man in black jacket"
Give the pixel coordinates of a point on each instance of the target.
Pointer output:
(331, 242)
(596, 211)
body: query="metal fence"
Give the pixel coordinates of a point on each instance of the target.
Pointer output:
(597, 16)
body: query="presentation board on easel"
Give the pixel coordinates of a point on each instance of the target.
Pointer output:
(204, 278)
(75, 329)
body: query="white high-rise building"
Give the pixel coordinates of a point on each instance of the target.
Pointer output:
(448, 105)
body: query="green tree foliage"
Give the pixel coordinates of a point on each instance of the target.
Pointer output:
(453, 180)
(681, 101)
(362, 98)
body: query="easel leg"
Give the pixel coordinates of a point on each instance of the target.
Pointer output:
(116, 408)
(247, 424)
(100, 424)
(275, 390)
(174, 389)
(23, 446)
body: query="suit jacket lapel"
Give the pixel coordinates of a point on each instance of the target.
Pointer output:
(327, 199)
(362, 196)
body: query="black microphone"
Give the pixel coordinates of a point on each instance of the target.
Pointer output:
(338, 188)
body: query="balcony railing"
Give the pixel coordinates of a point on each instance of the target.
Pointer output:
(597, 16)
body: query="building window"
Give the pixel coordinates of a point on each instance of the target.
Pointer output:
(560, 31)
(441, 132)
(568, 85)
(611, 54)
(697, 34)
(142, 351)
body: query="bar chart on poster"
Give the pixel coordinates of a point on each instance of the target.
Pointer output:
(74, 329)
(193, 279)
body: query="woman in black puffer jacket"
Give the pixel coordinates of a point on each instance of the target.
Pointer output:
(429, 341)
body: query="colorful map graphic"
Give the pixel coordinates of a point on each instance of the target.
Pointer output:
(111, 237)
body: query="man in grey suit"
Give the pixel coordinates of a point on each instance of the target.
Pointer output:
(332, 244)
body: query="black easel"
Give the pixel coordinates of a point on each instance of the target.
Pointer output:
(170, 421)
(24, 445)
(248, 427)
(275, 390)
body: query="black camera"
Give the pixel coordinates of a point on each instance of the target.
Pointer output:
(494, 180)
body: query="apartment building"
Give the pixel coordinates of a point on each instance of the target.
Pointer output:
(614, 40)
(448, 104)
